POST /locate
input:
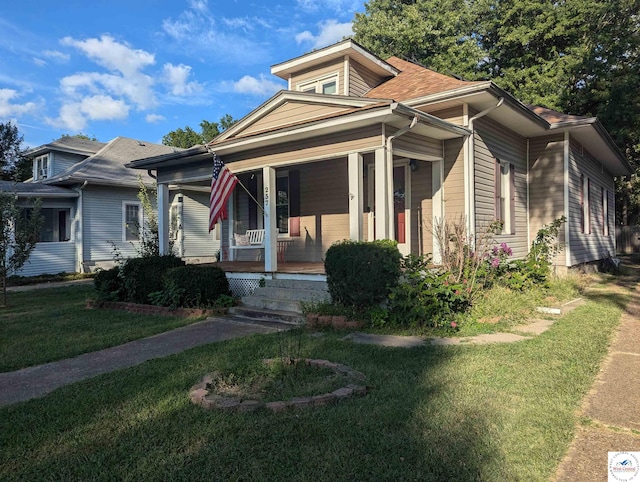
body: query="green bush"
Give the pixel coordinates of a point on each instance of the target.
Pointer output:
(142, 276)
(194, 286)
(109, 284)
(362, 273)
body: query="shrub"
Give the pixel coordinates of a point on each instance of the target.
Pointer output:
(425, 296)
(142, 276)
(109, 284)
(362, 273)
(194, 286)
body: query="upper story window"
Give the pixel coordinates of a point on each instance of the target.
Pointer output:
(323, 85)
(41, 167)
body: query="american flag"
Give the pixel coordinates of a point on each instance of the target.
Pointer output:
(222, 184)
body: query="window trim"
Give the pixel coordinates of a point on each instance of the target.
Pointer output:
(505, 192)
(281, 174)
(124, 221)
(37, 167)
(605, 212)
(585, 205)
(319, 82)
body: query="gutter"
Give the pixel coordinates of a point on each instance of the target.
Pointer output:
(470, 169)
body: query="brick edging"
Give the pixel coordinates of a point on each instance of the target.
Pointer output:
(152, 309)
(198, 394)
(314, 320)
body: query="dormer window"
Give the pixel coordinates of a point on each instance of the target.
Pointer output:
(324, 85)
(41, 166)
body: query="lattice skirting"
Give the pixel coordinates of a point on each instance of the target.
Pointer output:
(244, 284)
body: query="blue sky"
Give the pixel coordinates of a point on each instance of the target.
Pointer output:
(140, 69)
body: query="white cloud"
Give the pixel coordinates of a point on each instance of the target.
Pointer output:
(177, 77)
(154, 118)
(330, 32)
(56, 56)
(256, 86)
(9, 109)
(75, 115)
(39, 62)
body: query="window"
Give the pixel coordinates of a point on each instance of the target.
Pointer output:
(605, 212)
(41, 167)
(324, 85)
(132, 221)
(56, 224)
(504, 192)
(282, 202)
(585, 220)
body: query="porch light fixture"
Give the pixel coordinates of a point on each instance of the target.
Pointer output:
(413, 165)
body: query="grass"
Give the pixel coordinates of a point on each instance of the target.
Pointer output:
(496, 412)
(37, 328)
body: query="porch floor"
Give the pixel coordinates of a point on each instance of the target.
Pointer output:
(258, 267)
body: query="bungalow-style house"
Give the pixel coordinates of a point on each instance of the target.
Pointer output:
(90, 205)
(362, 148)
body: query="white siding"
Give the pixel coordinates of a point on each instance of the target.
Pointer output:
(198, 242)
(50, 258)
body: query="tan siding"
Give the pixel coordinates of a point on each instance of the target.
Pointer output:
(452, 114)
(491, 141)
(546, 185)
(361, 79)
(289, 113)
(453, 189)
(336, 66)
(419, 144)
(588, 247)
(328, 146)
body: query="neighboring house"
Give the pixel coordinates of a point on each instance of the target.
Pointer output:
(363, 148)
(91, 208)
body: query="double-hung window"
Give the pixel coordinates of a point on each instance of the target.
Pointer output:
(585, 219)
(504, 192)
(41, 167)
(132, 221)
(605, 212)
(324, 85)
(282, 202)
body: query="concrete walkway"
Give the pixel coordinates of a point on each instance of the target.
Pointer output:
(33, 382)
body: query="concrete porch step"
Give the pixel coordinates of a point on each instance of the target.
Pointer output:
(262, 315)
(297, 284)
(291, 294)
(275, 304)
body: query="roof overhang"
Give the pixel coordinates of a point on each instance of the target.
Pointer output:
(37, 190)
(345, 48)
(36, 151)
(391, 114)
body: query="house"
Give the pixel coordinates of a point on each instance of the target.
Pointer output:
(362, 148)
(91, 208)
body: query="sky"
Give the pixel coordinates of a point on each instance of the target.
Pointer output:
(142, 68)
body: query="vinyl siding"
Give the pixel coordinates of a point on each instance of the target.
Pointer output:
(453, 188)
(197, 241)
(452, 114)
(103, 222)
(589, 247)
(290, 113)
(491, 141)
(50, 258)
(62, 161)
(419, 144)
(546, 186)
(361, 79)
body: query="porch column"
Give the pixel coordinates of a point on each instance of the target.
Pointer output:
(437, 173)
(355, 196)
(163, 218)
(270, 220)
(231, 223)
(381, 202)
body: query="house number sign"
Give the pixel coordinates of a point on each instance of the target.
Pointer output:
(266, 196)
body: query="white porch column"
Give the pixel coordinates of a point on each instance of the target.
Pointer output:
(231, 223)
(381, 207)
(163, 218)
(437, 173)
(270, 220)
(355, 196)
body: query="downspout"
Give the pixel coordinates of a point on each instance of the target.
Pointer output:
(389, 152)
(80, 230)
(470, 167)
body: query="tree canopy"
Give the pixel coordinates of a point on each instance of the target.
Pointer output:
(580, 57)
(187, 137)
(13, 165)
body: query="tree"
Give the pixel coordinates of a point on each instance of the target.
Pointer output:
(18, 235)
(187, 137)
(13, 165)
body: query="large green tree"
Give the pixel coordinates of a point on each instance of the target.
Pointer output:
(188, 137)
(13, 165)
(576, 56)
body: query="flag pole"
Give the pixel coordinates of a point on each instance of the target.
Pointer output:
(240, 183)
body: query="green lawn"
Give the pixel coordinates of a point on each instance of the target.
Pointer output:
(493, 413)
(50, 324)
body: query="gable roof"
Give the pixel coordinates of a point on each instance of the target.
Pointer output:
(415, 81)
(107, 166)
(70, 144)
(555, 117)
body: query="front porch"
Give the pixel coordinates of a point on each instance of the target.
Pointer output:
(253, 267)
